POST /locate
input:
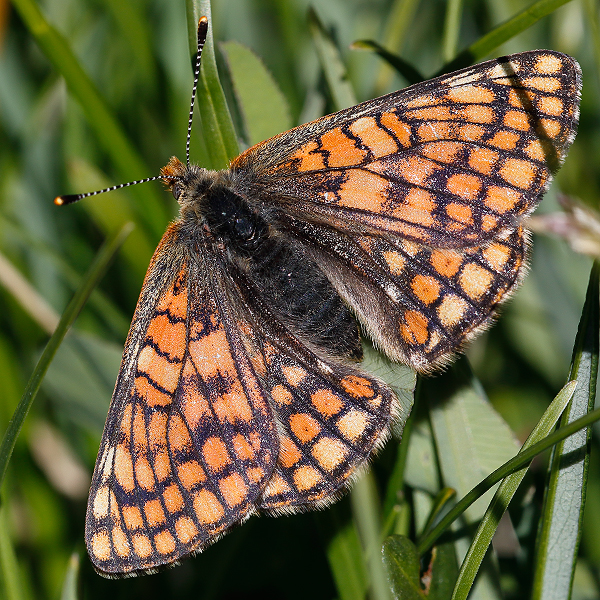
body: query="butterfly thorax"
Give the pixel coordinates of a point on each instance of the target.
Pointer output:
(274, 265)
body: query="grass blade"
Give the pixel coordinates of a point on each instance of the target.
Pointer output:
(562, 515)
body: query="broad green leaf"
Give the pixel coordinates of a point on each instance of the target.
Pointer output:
(402, 564)
(562, 514)
(262, 105)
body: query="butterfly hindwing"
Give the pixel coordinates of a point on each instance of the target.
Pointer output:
(449, 162)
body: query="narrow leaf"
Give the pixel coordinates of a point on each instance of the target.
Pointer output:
(402, 564)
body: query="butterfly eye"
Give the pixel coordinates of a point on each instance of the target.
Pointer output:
(244, 228)
(176, 190)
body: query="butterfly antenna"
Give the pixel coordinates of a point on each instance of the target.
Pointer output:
(70, 198)
(202, 31)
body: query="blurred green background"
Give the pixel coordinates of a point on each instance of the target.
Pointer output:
(136, 53)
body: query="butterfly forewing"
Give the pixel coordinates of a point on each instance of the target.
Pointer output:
(448, 162)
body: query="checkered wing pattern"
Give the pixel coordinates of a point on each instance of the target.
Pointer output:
(412, 203)
(190, 440)
(449, 162)
(211, 420)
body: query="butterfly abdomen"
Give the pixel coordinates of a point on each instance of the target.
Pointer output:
(293, 284)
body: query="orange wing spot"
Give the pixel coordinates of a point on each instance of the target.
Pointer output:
(395, 261)
(379, 141)
(414, 327)
(433, 131)
(470, 132)
(460, 213)
(304, 427)
(293, 375)
(483, 160)
(520, 173)
(281, 395)
(442, 151)
(471, 94)
(475, 280)
(243, 450)
(194, 406)
(425, 288)
(124, 468)
(170, 337)
(358, 387)
(255, 474)
(329, 453)
(501, 199)
(463, 185)
(399, 128)
(451, 310)
(179, 437)
(416, 169)
(101, 546)
(100, 504)
(144, 474)
(150, 394)
(215, 453)
(132, 517)
(423, 101)
(120, 542)
(545, 84)
(506, 140)
(126, 420)
(540, 150)
(289, 454)
(234, 489)
(190, 473)
(548, 63)
(175, 305)
(154, 513)
(475, 113)
(142, 545)
(211, 354)
(433, 113)
(363, 189)
(446, 262)
(233, 406)
(550, 127)
(159, 369)
(309, 157)
(140, 442)
(306, 478)
(496, 255)
(185, 529)
(352, 425)
(277, 486)
(417, 207)
(164, 542)
(326, 402)
(488, 222)
(173, 498)
(343, 152)
(114, 508)
(157, 430)
(208, 508)
(517, 119)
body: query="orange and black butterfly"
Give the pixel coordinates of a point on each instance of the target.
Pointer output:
(240, 390)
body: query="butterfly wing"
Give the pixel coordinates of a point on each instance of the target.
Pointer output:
(219, 410)
(449, 162)
(190, 440)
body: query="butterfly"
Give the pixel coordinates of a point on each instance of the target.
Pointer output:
(401, 218)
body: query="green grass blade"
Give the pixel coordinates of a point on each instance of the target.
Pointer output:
(262, 105)
(562, 515)
(69, 589)
(331, 62)
(477, 51)
(11, 587)
(217, 127)
(95, 273)
(150, 209)
(489, 523)
(451, 29)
